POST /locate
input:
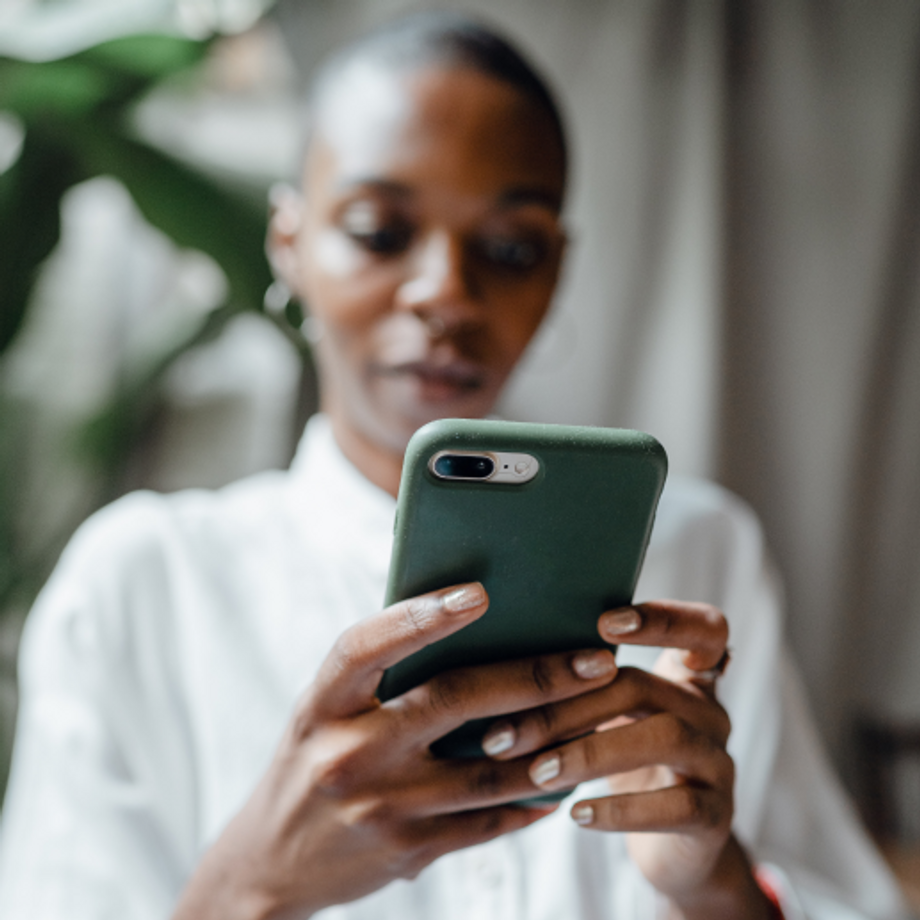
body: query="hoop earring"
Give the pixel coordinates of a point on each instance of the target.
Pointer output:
(277, 297)
(312, 329)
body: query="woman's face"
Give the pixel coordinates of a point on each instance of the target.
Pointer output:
(427, 243)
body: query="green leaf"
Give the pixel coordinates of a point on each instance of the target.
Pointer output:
(107, 437)
(192, 209)
(67, 87)
(149, 56)
(114, 72)
(30, 199)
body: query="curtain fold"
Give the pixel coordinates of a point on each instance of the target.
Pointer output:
(743, 283)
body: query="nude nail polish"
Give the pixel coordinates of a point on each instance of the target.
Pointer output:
(546, 770)
(583, 815)
(591, 665)
(499, 739)
(465, 598)
(620, 622)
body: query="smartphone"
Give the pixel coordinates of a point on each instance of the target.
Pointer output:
(553, 520)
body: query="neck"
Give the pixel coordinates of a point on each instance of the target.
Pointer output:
(380, 465)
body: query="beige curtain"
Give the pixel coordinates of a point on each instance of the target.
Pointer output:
(744, 283)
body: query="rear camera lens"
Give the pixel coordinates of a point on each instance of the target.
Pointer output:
(463, 466)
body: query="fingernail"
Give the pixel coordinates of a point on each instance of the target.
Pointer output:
(583, 814)
(499, 739)
(590, 665)
(465, 598)
(620, 622)
(546, 770)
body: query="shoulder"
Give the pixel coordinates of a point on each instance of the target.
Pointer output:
(132, 570)
(698, 509)
(706, 542)
(144, 528)
(688, 503)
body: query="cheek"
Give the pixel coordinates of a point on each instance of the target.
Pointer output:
(523, 310)
(332, 255)
(341, 285)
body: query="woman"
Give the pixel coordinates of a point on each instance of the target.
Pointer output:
(168, 652)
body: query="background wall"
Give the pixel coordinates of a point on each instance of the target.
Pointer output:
(743, 283)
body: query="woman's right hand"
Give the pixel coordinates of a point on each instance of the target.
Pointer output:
(353, 798)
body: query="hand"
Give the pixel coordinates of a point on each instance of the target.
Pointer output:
(660, 740)
(354, 798)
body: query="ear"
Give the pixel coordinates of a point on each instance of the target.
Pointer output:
(284, 223)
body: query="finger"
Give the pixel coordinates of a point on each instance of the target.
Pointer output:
(670, 665)
(635, 694)
(699, 629)
(348, 678)
(448, 700)
(438, 836)
(678, 808)
(452, 786)
(662, 739)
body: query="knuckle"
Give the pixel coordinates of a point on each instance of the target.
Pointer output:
(448, 691)
(380, 812)
(727, 771)
(590, 755)
(416, 616)
(336, 766)
(630, 689)
(697, 808)
(677, 733)
(667, 621)
(542, 675)
(688, 806)
(723, 723)
(407, 855)
(547, 719)
(492, 823)
(486, 780)
(710, 810)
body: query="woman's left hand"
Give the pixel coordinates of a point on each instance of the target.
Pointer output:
(660, 739)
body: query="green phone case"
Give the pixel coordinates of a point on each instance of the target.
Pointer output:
(553, 553)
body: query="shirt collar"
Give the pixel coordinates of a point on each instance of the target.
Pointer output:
(322, 471)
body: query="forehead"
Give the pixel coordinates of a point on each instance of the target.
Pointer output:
(432, 127)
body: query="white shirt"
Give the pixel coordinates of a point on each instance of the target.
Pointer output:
(164, 657)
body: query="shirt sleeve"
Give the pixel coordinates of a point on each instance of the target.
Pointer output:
(95, 823)
(791, 811)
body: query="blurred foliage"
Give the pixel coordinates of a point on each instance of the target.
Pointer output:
(76, 114)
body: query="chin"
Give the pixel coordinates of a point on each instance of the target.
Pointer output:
(396, 420)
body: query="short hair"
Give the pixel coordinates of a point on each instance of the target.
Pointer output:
(452, 39)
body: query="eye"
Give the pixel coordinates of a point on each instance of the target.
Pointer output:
(374, 231)
(511, 252)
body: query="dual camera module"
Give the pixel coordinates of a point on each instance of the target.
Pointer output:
(486, 466)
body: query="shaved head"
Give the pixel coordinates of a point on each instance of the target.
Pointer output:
(429, 40)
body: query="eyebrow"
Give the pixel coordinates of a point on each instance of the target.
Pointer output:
(386, 186)
(517, 196)
(527, 194)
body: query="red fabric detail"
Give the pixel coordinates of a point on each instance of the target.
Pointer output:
(767, 886)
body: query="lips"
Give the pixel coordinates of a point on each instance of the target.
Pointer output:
(439, 380)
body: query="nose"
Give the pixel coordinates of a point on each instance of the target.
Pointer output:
(439, 287)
